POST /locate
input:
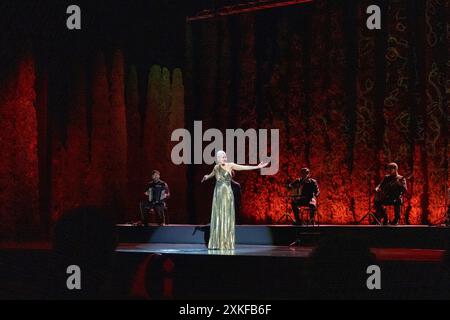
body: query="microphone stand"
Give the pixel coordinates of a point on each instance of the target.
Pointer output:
(286, 215)
(369, 210)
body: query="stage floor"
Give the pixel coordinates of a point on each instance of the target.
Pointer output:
(381, 254)
(197, 249)
(401, 236)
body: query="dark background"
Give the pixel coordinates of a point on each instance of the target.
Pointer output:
(85, 115)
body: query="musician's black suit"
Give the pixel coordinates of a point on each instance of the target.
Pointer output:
(391, 189)
(157, 204)
(309, 190)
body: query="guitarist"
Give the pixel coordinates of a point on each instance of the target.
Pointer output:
(307, 192)
(389, 192)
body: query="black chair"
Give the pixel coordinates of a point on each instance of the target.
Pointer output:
(305, 210)
(150, 208)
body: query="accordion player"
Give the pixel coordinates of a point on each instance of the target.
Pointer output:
(157, 192)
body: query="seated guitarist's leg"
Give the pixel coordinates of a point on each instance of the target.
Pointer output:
(381, 213)
(312, 212)
(301, 202)
(295, 208)
(397, 208)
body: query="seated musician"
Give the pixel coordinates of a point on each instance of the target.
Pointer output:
(389, 192)
(307, 192)
(157, 192)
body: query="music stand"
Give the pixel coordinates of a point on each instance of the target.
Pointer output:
(369, 211)
(371, 215)
(286, 214)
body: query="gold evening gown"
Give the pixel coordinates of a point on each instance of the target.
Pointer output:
(222, 212)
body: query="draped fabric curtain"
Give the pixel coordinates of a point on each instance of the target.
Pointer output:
(345, 98)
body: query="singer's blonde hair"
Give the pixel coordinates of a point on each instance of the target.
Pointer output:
(218, 154)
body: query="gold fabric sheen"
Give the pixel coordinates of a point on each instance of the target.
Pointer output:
(222, 212)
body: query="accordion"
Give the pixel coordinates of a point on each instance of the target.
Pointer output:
(156, 193)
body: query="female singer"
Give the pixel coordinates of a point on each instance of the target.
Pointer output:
(222, 212)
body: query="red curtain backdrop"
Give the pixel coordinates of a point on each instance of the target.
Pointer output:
(19, 178)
